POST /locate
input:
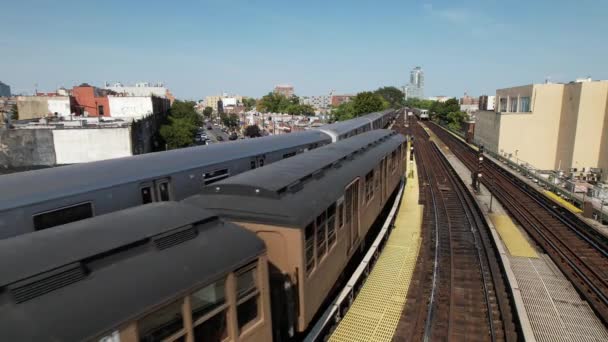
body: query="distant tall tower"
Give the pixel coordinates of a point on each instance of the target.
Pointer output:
(416, 87)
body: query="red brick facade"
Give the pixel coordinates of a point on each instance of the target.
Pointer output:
(91, 100)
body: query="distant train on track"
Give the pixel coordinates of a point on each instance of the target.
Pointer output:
(421, 114)
(250, 258)
(41, 199)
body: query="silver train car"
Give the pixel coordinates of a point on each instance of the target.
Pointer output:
(42, 199)
(346, 129)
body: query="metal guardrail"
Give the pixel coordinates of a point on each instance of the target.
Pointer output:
(338, 308)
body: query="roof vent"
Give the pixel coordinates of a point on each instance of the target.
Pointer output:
(49, 281)
(173, 238)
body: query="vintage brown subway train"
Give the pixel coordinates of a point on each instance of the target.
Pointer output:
(250, 258)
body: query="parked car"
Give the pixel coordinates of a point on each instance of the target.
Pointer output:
(220, 138)
(233, 136)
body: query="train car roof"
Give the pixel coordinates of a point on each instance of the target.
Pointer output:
(342, 127)
(22, 188)
(82, 279)
(290, 191)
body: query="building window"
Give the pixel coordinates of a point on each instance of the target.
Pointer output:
(321, 235)
(100, 110)
(369, 186)
(503, 104)
(524, 104)
(162, 323)
(513, 104)
(247, 297)
(209, 312)
(310, 247)
(62, 216)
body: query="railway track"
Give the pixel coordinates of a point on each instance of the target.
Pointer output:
(579, 251)
(467, 298)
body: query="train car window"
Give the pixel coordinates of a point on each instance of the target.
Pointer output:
(209, 312)
(377, 177)
(341, 215)
(331, 225)
(163, 323)
(164, 190)
(309, 236)
(261, 162)
(394, 160)
(253, 164)
(321, 235)
(146, 195)
(247, 297)
(369, 186)
(287, 155)
(215, 176)
(63, 215)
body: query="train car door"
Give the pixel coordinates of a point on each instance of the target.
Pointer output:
(163, 190)
(383, 177)
(351, 198)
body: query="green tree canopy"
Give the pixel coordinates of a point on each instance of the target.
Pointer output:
(253, 131)
(419, 103)
(249, 103)
(185, 110)
(231, 120)
(277, 103)
(181, 128)
(179, 133)
(344, 111)
(207, 112)
(392, 95)
(367, 102)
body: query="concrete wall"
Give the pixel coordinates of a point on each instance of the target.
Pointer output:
(531, 137)
(32, 107)
(487, 130)
(135, 107)
(85, 145)
(26, 147)
(589, 127)
(59, 105)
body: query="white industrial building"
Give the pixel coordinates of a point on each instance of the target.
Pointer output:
(139, 89)
(131, 107)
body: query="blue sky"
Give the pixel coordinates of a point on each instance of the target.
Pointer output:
(200, 48)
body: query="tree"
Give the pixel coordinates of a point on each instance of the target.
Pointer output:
(231, 121)
(252, 131)
(207, 112)
(419, 103)
(276, 103)
(367, 102)
(185, 110)
(392, 95)
(179, 133)
(456, 120)
(249, 103)
(343, 112)
(300, 109)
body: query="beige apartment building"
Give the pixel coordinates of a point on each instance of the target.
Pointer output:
(211, 101)
(550, 126)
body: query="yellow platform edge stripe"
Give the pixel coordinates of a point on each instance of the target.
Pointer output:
(513, 238)
(571, 207)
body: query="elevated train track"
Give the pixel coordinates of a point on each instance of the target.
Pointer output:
(468, 300)
(467, 297)
(578, 250)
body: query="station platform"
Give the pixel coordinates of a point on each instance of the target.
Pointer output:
(562, 202)
(512, 237)
(375, 313)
